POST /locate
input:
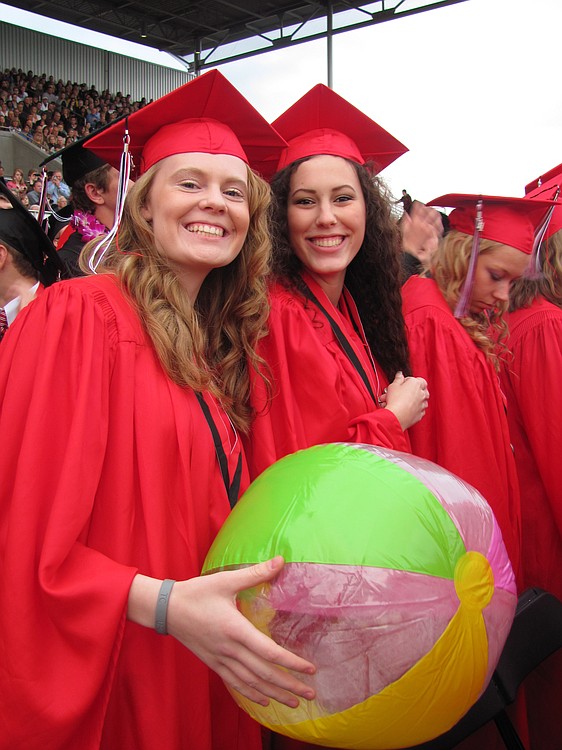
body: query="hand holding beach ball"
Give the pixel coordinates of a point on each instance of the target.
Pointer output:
(397, 586)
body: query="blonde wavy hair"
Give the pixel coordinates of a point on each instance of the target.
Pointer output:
(549, 285)
(449, 267)
(208, 345)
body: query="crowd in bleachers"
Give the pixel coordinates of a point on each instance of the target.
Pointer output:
(53, 114)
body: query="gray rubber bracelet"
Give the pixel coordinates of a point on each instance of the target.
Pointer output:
(161, 616)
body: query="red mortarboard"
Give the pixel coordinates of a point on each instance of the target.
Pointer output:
(548, 186)
(205, 115)
(510, 221)
(322, 122)
(553, 175)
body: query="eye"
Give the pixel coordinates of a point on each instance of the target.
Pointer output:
(343, 198)
(303, 202)
(495, 276)
(234, 193)
(189, 184)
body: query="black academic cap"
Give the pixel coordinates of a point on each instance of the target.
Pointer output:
(77, 161)
(20, 230)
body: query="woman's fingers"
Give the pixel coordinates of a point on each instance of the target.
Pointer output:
(203, 616)
(258, 677)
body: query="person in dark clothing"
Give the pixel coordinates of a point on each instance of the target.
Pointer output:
(406, 201)
(94, 185)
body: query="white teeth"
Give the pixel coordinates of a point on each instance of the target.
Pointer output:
(206, 229)
(327, 241)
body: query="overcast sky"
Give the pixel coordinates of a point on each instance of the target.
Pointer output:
(473, 90)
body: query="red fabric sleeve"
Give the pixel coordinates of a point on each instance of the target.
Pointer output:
(318, 396)
(62, 604)
(533, 383)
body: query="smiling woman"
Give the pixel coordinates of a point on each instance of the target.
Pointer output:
(143, 459)
(336, 343)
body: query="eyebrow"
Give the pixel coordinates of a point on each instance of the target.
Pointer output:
(337, 189)
(187, 172)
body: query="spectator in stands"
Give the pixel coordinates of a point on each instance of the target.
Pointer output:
(38, 138)
(32, 175)
(2, 178)
(57, 187)
(34, 195)
(52, 143)
(50, 93)
(18, 182)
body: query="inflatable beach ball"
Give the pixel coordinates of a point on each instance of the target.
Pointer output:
(397, 586)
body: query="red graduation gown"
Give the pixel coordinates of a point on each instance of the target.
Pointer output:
(107, 468)
(465, 426)
(318, 395)
(531, 381)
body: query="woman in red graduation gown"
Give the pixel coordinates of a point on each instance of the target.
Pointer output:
(450, 319)
(454, 322)
(530, 378)
(336, 347)
(110, 386)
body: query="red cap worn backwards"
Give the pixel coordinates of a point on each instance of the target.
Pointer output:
(509, 221)
(322, 122)
(548, 185)
(206, 115)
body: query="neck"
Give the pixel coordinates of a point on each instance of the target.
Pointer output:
(332, 286)
(15, 288)
(105, 215)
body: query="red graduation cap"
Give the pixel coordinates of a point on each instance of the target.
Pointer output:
(322, 122)
(510, 221)
(548, 186)
(552, 176)
(207, 114)
(517, 222)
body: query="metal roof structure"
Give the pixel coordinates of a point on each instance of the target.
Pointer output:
(207, 33)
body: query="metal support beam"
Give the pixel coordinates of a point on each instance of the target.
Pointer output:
(329, 38)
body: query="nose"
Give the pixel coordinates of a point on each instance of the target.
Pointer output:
(501, 292)
(326, 216)
(213, 198)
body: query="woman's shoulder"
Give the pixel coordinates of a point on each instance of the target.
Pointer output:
(102, 294)
(423, 293)
(284, 299)
(535, 314)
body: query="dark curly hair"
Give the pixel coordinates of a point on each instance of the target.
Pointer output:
(372, 277)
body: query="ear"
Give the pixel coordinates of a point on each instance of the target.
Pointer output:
(3, 256)
(146, 213)
(94, 193)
